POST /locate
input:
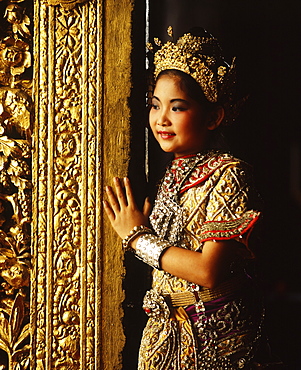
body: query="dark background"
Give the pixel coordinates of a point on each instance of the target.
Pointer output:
(265, 38)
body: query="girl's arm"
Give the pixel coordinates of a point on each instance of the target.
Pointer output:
(208, 268)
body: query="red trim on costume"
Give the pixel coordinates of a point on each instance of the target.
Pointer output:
(185, 156)
(202, 172)
(250, 225)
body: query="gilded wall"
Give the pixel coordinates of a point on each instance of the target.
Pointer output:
(64, 133)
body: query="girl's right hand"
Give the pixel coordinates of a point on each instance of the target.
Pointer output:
(122, 209)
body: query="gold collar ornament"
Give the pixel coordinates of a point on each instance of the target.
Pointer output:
(201, 58)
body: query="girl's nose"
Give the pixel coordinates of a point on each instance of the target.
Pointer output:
(163, 120)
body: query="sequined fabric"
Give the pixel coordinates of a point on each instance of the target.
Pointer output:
(202, 197)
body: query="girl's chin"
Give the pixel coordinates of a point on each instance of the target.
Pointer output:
(166, 149)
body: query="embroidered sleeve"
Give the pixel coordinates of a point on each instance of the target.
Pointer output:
(225, 211)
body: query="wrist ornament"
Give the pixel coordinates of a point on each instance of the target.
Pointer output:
(149, 249)
(136, 231)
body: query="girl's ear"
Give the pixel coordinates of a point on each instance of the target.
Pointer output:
(216, 117)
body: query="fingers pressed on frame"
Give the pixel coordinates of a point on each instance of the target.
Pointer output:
(113, 201)
(129, 192)
(120, 192)
(108, 210)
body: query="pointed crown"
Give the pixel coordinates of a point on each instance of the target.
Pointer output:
(201, 58)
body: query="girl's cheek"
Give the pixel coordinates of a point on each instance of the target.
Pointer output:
(152, 118)
(152, 124)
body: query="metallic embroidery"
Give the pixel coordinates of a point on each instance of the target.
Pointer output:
(166, 333)
(202, 197)
(227, 335)
(227, 230)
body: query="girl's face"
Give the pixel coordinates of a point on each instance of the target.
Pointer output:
(179, 123)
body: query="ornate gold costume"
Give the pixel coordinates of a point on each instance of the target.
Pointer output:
(202, 197)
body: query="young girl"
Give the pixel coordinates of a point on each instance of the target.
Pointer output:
(203, 309)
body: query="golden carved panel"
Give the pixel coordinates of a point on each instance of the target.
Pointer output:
(76, 311)
(81, 139)
(60, 263)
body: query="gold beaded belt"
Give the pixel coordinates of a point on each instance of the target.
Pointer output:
(205, 294)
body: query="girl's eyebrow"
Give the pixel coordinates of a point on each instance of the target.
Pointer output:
(179, 100)
(172, 100)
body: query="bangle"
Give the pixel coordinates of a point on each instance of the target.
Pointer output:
(149, 249)
(137, 230)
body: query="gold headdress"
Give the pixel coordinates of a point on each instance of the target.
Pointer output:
(201, 58)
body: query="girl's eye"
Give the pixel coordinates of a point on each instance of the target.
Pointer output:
(178, 109)
(154, 106)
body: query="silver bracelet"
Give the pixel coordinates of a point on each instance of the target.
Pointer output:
(149, 249)
(137, 230)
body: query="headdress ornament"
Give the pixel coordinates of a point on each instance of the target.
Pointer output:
(201, 58)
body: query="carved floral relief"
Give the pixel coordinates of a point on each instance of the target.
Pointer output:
(65, 244)
(51, 286)
(15, 185)
(67, 198)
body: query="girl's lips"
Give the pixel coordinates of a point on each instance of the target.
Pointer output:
(165, 134)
